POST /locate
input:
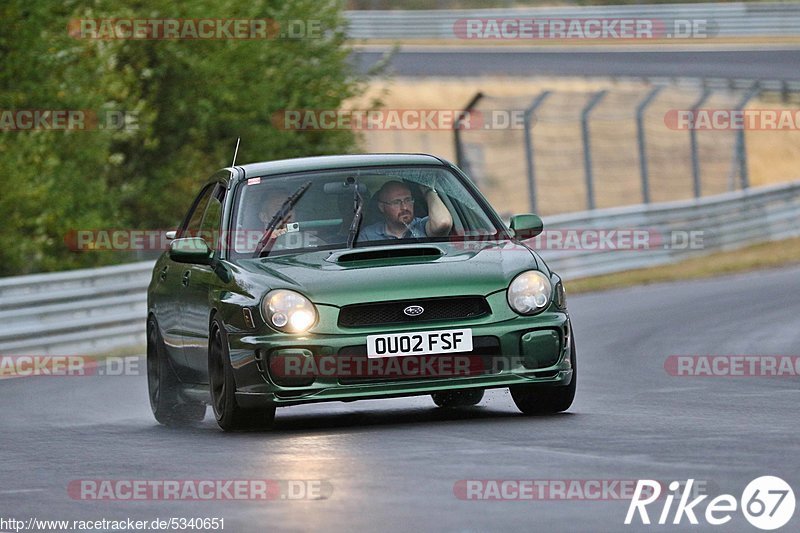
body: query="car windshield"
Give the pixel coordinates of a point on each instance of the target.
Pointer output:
(302, 212)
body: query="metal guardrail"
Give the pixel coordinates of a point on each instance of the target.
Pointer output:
(76, 312)
(740, 19)
(725, 222)
(99, 310)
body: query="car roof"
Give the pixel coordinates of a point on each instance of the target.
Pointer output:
(326, 162)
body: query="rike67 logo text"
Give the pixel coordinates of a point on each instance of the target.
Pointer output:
(767, 502)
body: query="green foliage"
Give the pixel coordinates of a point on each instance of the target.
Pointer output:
(190, 100)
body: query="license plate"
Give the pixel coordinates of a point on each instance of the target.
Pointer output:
(419, 343)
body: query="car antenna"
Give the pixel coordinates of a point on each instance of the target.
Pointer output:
(236, 151)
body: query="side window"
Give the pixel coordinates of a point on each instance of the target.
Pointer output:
(210, 226)
(195, 215)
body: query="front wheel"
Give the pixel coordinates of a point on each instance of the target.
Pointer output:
(229, 414)
(538, 399)
(163, 385)
(458, 398)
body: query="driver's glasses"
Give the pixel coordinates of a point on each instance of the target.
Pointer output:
(400, 201)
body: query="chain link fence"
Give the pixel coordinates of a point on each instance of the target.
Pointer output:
(629, 144)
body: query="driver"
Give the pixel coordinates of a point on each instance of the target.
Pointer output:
(271, 207)
(397, 207)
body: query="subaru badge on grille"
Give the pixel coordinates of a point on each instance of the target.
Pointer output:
(413, 310)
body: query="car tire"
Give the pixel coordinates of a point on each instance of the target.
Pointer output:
(458, 398)
(229, 414)
(163, 386)
(538, 399)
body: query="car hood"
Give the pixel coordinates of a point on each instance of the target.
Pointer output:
(401, 272)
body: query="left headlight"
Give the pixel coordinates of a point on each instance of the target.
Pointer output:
(529, 293)
(288, 311)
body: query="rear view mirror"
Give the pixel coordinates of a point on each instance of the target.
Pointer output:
(192, 250)
(526, 226)
(342, 187)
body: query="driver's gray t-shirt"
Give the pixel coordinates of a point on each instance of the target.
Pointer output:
(377, 231)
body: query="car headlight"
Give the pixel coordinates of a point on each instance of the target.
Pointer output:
(288, 311)
(529, 293)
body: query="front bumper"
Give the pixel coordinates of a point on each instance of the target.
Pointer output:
(529, 350)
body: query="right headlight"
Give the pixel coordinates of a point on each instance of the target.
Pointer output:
(288, 311)
(529, 293)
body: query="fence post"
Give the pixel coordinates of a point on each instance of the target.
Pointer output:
(460, 161)
(641, 141)
(693, 141)
(587, 149)
(741, 152)
(529, 146)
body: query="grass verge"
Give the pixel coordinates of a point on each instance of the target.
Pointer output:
(765, 255)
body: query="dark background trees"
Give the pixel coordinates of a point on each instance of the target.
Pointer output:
(186, 100)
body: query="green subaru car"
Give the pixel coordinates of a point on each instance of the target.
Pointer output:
(351, 277)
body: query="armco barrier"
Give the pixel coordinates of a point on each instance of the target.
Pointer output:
(726, 221)
(100, 310)
(735, 19)
(76, 312)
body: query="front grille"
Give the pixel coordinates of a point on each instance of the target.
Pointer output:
(379, 313)
(485, 358)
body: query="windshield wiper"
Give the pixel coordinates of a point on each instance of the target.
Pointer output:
(358, 207)
(266, 242)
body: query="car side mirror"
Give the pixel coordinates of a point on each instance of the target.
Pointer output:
(192, 250)
(526, 226)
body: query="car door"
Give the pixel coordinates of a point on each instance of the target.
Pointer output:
(173, 281)
(198, 281)
(167, 293)
(164, 304)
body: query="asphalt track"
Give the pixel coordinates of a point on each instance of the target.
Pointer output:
(759, 63)
(393, 464)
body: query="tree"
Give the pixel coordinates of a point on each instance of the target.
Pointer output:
(189, 101)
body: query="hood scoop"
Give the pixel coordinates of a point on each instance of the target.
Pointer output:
(416, 253)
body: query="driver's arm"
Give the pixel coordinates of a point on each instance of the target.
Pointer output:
(439, 219)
